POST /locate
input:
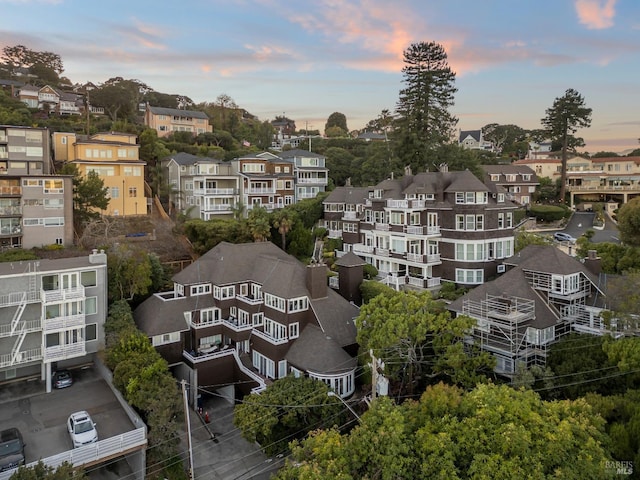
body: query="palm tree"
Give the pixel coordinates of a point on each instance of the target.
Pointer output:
(259, 225)
(283, 220)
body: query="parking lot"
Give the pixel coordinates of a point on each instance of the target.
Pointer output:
(42, 417)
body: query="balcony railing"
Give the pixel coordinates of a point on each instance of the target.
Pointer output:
(24, 356)
(63, 294)
(269, 338)
(62, 323)
(359, 248)
(382, 252)
(62, 352)
(261, 191)
(214, 191)
(350, 215)
(335, 233)
(10, 190)
(306, 195)
(315, 181)
(250, 300)
(383, 227)
(27, 326)
(217, 208)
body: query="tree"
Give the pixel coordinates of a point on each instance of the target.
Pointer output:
(259, 224)
(288, 409)
(490, 432)
(503, 136)
(19, 56)
(339, 163)
(90, 196)
(423, 118)
(415, 335)
(336, 119)
(283, 221)
(524, 238)
(629, 222)
(129, 272)
(567, 114)
(40, 471)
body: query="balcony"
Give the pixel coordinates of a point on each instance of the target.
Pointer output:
(28, 326)
(261, 191)
(383, 227)
(62, 352)
(22, 357)
(217, 208)
(350, 216)
(307, 195)
(269, 338)
(382, 252)
(215, 191)
(313, 181)
(250, 300)
(335, 233)
(63, 323)
(63, 294)
(11, 211)
(360, 248)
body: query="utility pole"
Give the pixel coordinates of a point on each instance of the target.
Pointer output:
(186, 414)
(374, 375)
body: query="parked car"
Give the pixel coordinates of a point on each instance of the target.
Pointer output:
(11, 449)
(82, 429)
(563, 237)
(62, 379)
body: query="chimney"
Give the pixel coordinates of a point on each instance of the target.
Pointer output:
(95, 257)
(593, 262)
(317, 280)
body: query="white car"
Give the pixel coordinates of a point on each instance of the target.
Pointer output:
(563, 237)
(81, 429)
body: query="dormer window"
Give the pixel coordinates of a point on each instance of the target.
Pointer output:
(495, 177)
(526, 177)
(511, 177)
(178, 290)
(501, 198)
(202, 289)
(298, 304)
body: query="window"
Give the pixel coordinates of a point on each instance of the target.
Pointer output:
(258, 319)
(274, 302)
(509, 219)
(54, 222)
(223, 293)
(469, 276)
(264, 365)
(244, 289)
(282, 368)
(501, 198)
(89, 278)
(91, 305)
(495, 177)
(91, 332)
(298, 304)
(202, 289)
(133, 192)
(53, 186)
(115, 192)
(275, 330)
(294, 330)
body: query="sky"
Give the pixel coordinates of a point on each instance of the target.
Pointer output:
(308, 59)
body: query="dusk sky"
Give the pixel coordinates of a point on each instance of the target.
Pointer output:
(306, 60)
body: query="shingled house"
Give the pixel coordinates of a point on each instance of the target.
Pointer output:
(243, 315)
(543, 295)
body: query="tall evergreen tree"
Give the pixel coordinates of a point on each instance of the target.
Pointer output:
(563, 119)
(423, 119)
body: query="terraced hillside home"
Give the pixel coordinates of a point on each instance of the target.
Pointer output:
(543, 295)
(52, 314)
(202, 187)
(36, 207)
(166, 121)
(519, 181)
(311, 174)
(419, 230)
(244, 315)
(115, 158)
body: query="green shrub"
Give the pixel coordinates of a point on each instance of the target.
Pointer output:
(549, 213)
(369, 271)
(16, 255)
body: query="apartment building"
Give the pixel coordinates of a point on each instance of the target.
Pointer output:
(166, 121)
(243, 315)
(115, 158)
(52, 314)
(36, 208)
(422, 229)
(519, 181)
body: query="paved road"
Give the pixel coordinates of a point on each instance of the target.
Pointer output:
(580, 222)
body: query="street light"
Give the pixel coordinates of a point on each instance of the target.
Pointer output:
(331, 393)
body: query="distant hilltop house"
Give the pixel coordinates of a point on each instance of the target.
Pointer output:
(472, 140)
(372, 137)
(169, 120)
(56, 101)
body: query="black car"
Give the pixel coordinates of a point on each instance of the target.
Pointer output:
(11, 449)
(62, 379)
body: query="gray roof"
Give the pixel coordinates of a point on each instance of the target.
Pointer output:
(184, 158)
(156, 316)
(348, 195)
(177, 111)
(297, 152)
(511, 168)
(262, 262)
(475, 134)
(350, 259)
(336, 317)
(464, 181)
(45, 265)
(315, 351)
(372, 136)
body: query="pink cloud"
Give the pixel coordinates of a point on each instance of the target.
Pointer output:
(596, 14)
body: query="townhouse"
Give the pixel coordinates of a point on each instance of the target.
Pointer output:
(518, 181)
(421, 229)
(115, 158)
(165, 121)
(311, 174)
(52, 314)
(202, 187)
(243, 315)
(36, 207)
(543, 294)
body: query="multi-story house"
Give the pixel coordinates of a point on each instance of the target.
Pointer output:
(202, 187)
(52, 314)
(311, 174)
(543, 295)
(114, 157)
(36, 208)
(266, 180)
(168, 120)
(420, 229)
(51, 99)
(473, 140)
(519, 181)
(243, 315)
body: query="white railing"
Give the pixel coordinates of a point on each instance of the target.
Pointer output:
(359, 248)
(433, 230)
(414, 229)
(55, 296)
(217, 208)
(318, 181)
(397, 203)
(383, 252)
(414, 257)
(335, 233)
(433, 282)
(433, 258)
(269, 338)
(63, 322)
(93, 453)
(382, 227)
(214, 191)
(62, 352)
(306, 195)
(27, 325)
(25, 356)
(261, 190)
(350, 215)
(249, 300)
(334, 282)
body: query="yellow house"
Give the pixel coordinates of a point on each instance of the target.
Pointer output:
(115, 157)
(166, 121)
